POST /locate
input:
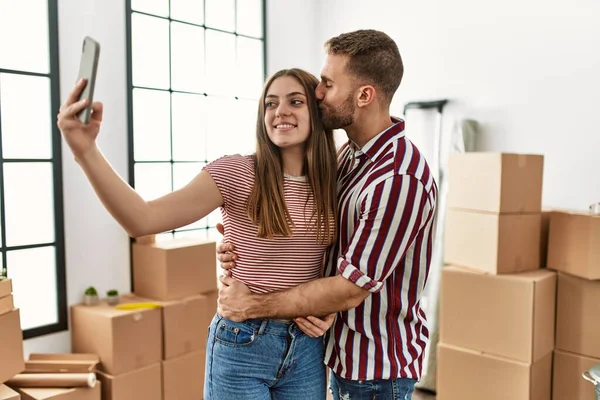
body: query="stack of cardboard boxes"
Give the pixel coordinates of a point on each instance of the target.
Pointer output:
(574, 251)
(128, 343)
(154, 353)
(11, 341)
(48, 368)
(13, 365)
(497, 307)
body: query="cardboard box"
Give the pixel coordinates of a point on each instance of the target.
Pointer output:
(61, 362)
(183, 377)
(493, 243)
(144, 383)
(61, 394)
(469, 375)
(6, 304)
(174, 269)
(11, 345)
(146, 239)
(509, 316)
(568, 384)
(185, 324)
(7, 393)
(574, 243)
(578, 315)
(496, 182)
(5, 287)
(208, 314)
(125, 340)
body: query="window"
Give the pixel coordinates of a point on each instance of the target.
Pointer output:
(196, 70)
(31, 208)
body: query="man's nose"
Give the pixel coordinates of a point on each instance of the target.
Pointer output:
(319, 94)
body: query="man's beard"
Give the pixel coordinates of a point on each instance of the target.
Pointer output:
(341, 116)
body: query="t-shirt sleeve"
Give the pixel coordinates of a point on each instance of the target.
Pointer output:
(234, 176)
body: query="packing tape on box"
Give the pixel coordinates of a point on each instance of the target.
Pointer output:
(138, 306)
(56, 380)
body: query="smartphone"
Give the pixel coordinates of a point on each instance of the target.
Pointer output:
(88, 65)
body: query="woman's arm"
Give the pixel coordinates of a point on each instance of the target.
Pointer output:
(140, 217)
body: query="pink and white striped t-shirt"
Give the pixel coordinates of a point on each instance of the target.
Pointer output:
(266, 265)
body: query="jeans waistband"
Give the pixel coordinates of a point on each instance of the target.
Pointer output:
(273, 326)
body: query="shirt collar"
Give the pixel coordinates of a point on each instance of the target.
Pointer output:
(374, 147)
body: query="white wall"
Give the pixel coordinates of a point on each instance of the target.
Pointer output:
(527, 70)
(292, 27)
(97, 249)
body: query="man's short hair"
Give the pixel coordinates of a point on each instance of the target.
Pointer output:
(373, 57)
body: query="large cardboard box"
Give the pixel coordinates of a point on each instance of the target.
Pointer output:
(174, 269)
(61, 394)
(574, 243)
(185, 324)
(5, 287)
(509, 316)
(494, 243)
(6, 304)
(469, 375)
(11, 345)
(496, 182)
(144, 383)
(568, 383)
(183, 377)
(7, 393)
(208, 314)
(125, 340)
(578, 315)
(6, 298)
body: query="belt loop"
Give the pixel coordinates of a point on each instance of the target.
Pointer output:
(263, 326)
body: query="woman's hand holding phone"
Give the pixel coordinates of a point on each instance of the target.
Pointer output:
(80, 137)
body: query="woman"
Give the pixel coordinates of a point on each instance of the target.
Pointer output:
(279, 209)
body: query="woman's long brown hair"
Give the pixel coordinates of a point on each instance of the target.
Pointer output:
(266, 204)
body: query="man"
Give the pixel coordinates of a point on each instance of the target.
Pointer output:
(378, 268)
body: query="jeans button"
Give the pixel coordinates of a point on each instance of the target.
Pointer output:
(236, 330)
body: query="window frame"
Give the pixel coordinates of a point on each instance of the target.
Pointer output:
(56, 160)
(130, 88)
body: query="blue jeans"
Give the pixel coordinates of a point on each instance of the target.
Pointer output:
(261, 359)
(392, 389)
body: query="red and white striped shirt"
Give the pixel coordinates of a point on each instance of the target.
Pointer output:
(387, 199)
(266, 265)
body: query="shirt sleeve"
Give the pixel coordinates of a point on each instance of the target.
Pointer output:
(234, 176)
(392, 214)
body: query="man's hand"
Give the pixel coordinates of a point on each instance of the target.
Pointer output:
(313, 326)
(225, 253)
(234, 298)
